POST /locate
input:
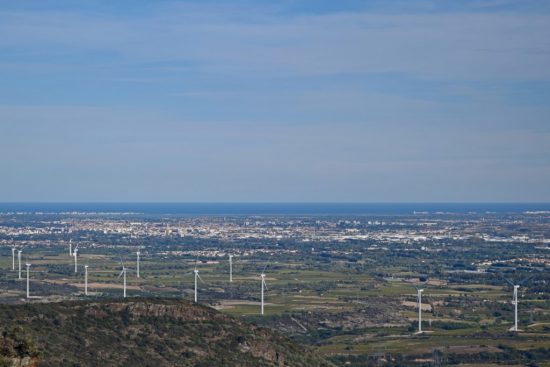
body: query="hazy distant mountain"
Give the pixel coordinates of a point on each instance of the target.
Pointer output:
(140, 332)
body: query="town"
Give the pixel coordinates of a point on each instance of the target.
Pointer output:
(350, 286)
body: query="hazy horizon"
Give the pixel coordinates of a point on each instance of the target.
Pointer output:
(275, 202)
(277, 209)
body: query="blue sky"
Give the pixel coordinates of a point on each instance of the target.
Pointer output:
(304, 101)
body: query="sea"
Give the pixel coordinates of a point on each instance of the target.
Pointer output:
(250, 209)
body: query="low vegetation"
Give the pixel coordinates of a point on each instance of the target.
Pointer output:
(142, 332)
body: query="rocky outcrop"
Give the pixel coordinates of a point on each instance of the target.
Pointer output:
(23, 362)
(17, 348)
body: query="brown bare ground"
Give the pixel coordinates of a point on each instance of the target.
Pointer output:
(93, 285)
(425, 306)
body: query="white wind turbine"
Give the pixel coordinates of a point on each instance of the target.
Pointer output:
(13, 258)
(123, 273)
(230, 268)
(86, 279)
(137, 263)
(71, 247)
(419, 303)
(515, 302)
(197, 276)
(75, 259)
(28, 271)
(19, 260)
(264, 285)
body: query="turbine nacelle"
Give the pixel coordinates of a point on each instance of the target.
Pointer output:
(122, 272)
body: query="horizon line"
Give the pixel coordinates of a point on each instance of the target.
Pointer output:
(275, 202)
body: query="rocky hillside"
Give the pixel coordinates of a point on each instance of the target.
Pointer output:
(140, 332)
(17, 348)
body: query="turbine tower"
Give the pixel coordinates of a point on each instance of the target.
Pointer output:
(137, 264)
(263, 286)
(123, 273)
(28, 271)
(515, 303)
(19, 261)
(515, 300)
(71, 247)
(13, 258)
(230, 268)
(197, 276)
(75, 259)
(86, 280)
(419, 300)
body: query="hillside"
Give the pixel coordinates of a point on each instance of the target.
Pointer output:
(140, 332)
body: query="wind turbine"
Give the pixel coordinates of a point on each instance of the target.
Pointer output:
(197, 276)
(71, 247)
(419, 302)
(515, 301)
(13, 258)
(19, 260)
(75, 259)
(28, 271)
(264, 285)
(86, 279)
(230, 268)
(123, 272)
(137, 263)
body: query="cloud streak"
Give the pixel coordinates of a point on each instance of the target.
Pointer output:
(449, 46)
(306, 101)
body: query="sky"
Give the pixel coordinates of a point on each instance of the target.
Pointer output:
(275, 101)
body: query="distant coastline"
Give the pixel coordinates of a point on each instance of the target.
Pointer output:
(220, 209)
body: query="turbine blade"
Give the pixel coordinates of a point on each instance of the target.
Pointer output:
(509, 281)
(265, 284)
(525, 280)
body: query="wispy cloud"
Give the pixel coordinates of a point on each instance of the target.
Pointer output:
(452, 45)
(311, 100)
